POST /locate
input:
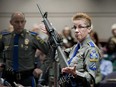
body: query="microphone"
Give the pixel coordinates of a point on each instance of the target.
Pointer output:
(4, 82)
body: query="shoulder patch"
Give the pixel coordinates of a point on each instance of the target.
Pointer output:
(94, 56)
(91, 44)
(5, 33)
(36, 36)
(39, 39)
(93, 66)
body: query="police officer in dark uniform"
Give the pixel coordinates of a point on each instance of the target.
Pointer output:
(19, 49)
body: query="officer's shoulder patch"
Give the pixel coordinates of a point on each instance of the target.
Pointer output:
(38, 38)
(33, 33)
(5, 33)
(93, 66)
(91, 44)
(93, 56)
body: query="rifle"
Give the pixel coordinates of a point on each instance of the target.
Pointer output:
(52, 34)
(61, 58)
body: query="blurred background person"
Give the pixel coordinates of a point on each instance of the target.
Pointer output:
(35, 28)
(95, 38)
(106, 66)
(108, 62)
(39, 55)
(111, 52)
(10, 28)
(68, 40)
(113, 30)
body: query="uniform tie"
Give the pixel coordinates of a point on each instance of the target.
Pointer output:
(74, 54)
(15, 53)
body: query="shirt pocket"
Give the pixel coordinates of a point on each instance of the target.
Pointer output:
(8, 51)
(78, 61)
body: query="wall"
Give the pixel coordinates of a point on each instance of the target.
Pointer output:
(103, 13)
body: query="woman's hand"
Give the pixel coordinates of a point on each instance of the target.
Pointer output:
(69, 70)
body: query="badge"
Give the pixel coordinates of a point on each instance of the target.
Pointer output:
(93, 66)
(26, 41)
(26, 47)
(93, 56)
(6, 47)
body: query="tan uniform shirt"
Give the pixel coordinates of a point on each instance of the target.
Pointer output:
(86, 60)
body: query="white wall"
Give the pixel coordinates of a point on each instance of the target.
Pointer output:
(103, 13)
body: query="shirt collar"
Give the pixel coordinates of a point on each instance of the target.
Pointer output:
(22, 34)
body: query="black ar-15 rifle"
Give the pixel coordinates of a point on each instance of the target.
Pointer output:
(52, 34)
(56, 48)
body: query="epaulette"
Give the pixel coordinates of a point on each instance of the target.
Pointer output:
(33, 33)
(5, 33)
(91, 44)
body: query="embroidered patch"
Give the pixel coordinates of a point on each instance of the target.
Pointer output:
(38, 38)
(26, 41)
(93, 66)
(6, 47)
(93, 56)
(91, 44)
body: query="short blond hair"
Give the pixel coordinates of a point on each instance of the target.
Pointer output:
(82, 16)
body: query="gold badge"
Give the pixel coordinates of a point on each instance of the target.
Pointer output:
(6, 47)
(26, 41)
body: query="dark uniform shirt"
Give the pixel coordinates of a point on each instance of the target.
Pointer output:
(27, 45)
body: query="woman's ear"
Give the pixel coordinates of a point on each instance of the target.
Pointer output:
(89, 29)
(25, 21)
